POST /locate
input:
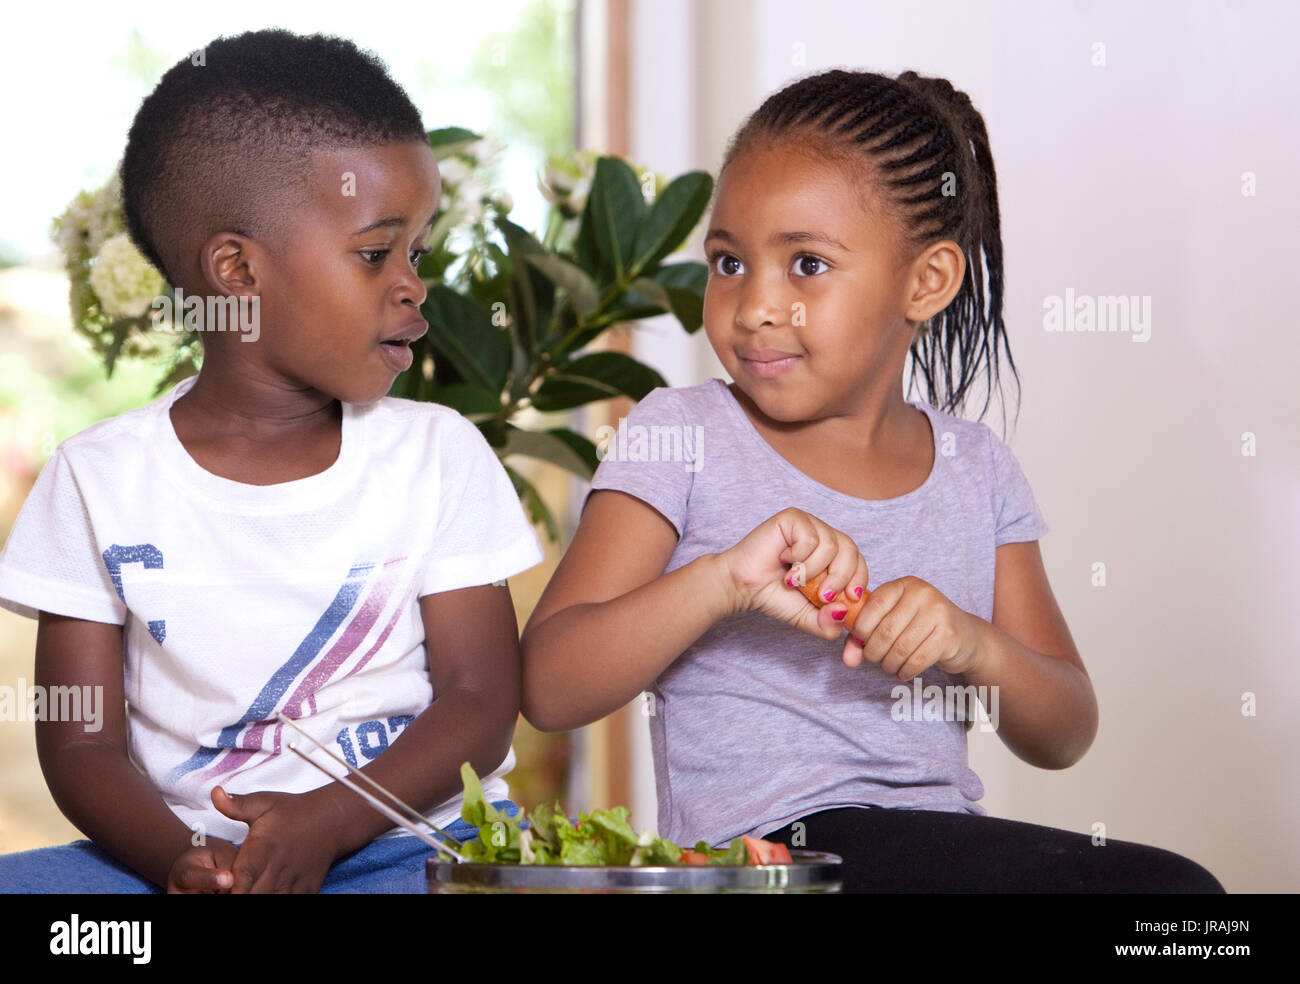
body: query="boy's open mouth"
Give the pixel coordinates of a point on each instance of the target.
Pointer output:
(397, 350)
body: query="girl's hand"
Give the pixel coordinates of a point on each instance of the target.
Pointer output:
(759, 569)
(287, 848)
(206, 869)
(909, 625)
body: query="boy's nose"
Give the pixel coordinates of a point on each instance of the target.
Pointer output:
(412, 288)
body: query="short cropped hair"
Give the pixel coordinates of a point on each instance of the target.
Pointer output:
(224, 141)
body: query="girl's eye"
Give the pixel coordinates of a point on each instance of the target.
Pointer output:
(724, 264)
(801, 264)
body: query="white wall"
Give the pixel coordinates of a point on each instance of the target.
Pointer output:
(1125, 179)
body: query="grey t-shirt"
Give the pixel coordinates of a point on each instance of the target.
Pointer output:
(759, 723)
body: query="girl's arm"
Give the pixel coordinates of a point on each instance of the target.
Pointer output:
(1047, 708)
(89, 773)
(610, 621)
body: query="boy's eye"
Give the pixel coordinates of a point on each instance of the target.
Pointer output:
(375, 257)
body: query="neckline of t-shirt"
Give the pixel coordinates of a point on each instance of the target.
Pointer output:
(747, 426)
(243, 497)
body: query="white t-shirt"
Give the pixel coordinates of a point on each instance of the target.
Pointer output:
(242, 601)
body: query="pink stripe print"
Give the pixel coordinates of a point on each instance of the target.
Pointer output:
(362, 622)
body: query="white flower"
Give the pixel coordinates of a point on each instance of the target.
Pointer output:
(469, 211)
(578, 196)
(123, 280)
(455, 172)
(92, 218)
(503, 201)
(486, 150)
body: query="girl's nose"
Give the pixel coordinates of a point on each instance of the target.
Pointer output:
(760, 305)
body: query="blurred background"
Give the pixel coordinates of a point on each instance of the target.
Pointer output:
(1141, 151)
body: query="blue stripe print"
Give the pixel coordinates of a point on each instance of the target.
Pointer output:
(280, 682)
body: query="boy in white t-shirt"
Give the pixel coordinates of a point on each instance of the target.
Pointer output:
(274, 535)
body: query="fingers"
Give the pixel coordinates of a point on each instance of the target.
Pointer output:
(250, 866)
(197, 878)
(887, 631)
(824, 559)
(201, 872)
(245, 807)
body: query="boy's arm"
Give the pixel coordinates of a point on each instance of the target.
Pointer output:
(88, 772)
(472, 640)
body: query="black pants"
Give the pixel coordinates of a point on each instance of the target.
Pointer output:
(931, 851)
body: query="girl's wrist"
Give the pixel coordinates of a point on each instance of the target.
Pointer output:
(723, 597)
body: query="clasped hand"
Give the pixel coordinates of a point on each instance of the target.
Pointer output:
(905, 627)
(286, 849)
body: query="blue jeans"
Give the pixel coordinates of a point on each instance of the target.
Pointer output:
(389, 865)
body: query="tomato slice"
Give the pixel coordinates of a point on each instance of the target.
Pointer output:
(766, 852)
(693, 857)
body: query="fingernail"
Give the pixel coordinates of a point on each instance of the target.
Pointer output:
(857, 641)
(829, 595)
(857, 592)
(839, 616)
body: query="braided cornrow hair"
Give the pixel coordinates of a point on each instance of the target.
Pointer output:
(922, 141)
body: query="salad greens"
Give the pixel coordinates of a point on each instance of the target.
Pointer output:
(547, 836)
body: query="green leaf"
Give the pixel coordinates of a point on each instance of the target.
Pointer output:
(615, 208)
(550, 446)
(532, 296)
(577, 286)
(461, 331)
(671, 218)
(683, 302)
(684, 283)
(448, 140)
(468, 399)
(692, 275)
(599, 376)
(652, 291)
(184, 368)
(534, 505)
(583, 447)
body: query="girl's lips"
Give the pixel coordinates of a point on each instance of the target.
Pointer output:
(772, 369)
(398, 355)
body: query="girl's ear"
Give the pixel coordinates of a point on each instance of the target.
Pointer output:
(934, 279)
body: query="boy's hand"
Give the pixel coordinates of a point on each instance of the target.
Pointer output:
(758, 568)
(203, 870)
(288, 848)
(909, 625)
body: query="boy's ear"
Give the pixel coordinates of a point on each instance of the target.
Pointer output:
(230, 262)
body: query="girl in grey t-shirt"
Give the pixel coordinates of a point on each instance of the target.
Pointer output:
(856, 221)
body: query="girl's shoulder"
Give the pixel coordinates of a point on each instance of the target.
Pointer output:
(685, 404)
(956, 435)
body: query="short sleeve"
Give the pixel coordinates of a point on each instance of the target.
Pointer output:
(482, 534)
(1018, 516)
(652, 454)
(50, 560)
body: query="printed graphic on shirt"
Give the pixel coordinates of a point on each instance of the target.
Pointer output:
(313, 665)
(142, 553)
